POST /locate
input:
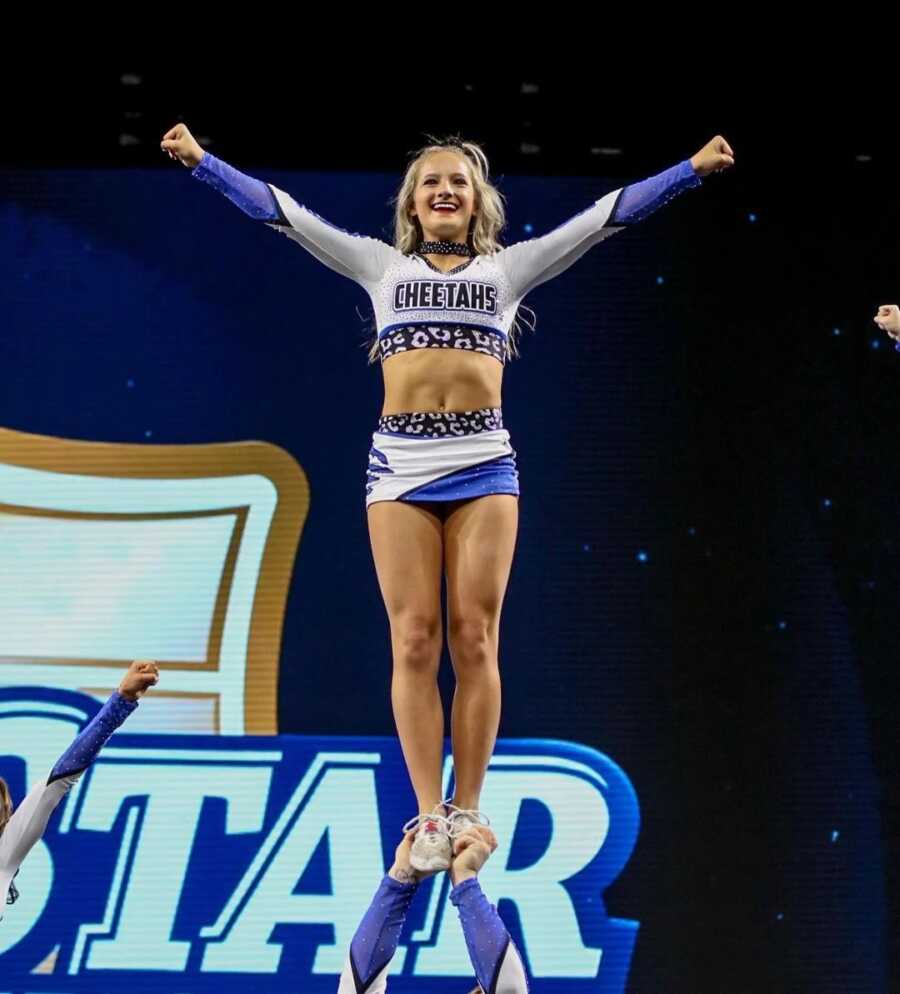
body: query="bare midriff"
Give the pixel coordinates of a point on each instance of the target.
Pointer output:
(441, 380)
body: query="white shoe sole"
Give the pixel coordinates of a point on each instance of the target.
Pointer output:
(429, 864)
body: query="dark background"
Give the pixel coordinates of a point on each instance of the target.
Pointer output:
(708, 388)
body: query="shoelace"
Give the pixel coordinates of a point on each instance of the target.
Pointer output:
(457, 814)
(419, 820)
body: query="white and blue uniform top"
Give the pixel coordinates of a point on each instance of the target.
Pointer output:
(480, 297)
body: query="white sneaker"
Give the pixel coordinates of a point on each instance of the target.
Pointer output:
(432, 850)
(462, 820)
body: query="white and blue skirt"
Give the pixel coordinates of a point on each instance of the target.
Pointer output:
(441, 456)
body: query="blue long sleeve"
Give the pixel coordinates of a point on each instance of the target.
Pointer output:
(252, 195)
(376, 939)
(639, 200)
(91, 739)
(30, 818)
(495, 959)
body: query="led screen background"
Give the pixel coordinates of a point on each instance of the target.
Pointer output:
(671, 519)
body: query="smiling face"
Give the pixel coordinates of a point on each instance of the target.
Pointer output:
(444, 197)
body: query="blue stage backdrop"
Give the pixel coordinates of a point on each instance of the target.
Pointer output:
(141, 309)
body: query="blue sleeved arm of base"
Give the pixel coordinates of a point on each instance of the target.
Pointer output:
(378, 935)
(91, 739)
(496, 960)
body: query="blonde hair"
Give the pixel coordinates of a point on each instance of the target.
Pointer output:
(490, 210)
(487, 224)
(6, 805)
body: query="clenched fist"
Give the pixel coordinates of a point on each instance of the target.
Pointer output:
(180, 144)
(888, 319)
(141, 676)
(714, 157)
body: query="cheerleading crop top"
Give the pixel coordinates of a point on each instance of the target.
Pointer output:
(470, 307)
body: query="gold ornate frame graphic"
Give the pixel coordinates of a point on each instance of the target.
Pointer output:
(68, 458)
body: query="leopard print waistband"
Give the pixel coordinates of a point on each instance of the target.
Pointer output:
(442, 424)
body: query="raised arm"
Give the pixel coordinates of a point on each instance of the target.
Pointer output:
(496, 960)
(357, 257)
(30, 818)
(92, 738)
(375, 942)
(528, 264)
